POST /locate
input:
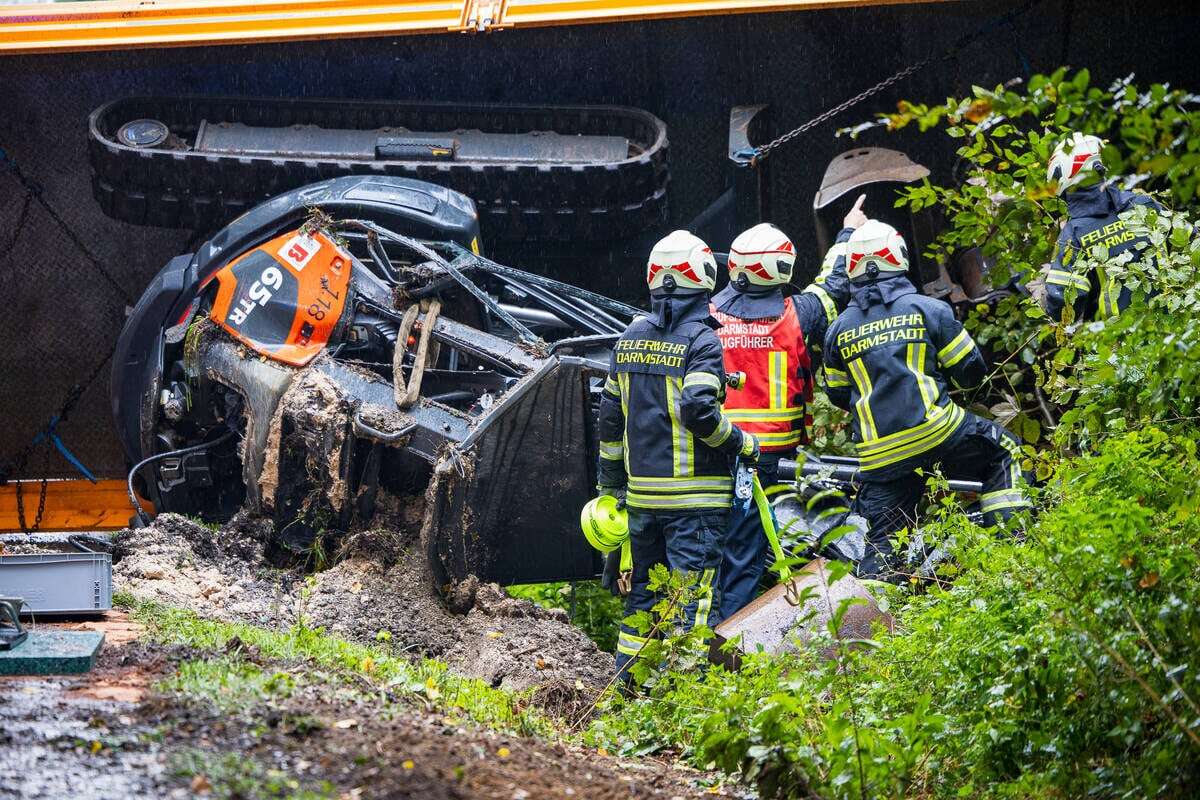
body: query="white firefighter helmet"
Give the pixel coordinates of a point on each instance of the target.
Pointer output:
(875, 244)
(762, 255)
(1074, 159)
(681, 260)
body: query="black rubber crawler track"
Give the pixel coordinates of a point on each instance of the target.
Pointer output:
(183, 189)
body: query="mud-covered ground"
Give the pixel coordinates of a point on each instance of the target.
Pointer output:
(377, 586)
(120, 731)
(112, 734)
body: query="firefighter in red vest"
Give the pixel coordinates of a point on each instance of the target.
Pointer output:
(764, 334)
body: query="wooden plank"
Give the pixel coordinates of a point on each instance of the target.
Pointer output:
(71, 505)
(123, 24)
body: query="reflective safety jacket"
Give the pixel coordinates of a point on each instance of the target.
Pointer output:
(765, 335)
(662, 432)
(889, 358)
(1094, 221)
(773, 402)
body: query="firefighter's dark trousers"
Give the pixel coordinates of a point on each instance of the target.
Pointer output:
(687, 542)
(745, 553)
(980, 451)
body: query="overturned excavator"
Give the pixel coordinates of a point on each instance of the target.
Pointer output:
(342, 353)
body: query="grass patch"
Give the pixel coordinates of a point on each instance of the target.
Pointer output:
(227, 776)
(313, 655)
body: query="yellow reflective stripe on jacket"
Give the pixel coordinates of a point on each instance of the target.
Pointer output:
(835, 378)
(1014, 467)
(1006, 498)
(680, 502)
(937, 432)
(630, 644)
(958, 349)
(704, 605)
(780, 438)
(612, 386)
(718, 437)
(777, 378)
(915, 358)
(866, 421)
(764, 414)
(826, 301)
(1060, 277)
(654, 483)
(902, 438)
(613, 451)
(623, 383)
(702, 379)
(682, 447)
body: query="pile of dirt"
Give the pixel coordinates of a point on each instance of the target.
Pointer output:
(223, 574)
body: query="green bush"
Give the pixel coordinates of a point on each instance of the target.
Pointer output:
(1063, 665)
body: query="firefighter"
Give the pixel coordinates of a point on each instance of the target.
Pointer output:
(767, 336)
(665, 445)
(890, 359)
(1094, 208)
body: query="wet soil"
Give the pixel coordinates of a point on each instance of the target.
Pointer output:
(381, 585)
(65, 737)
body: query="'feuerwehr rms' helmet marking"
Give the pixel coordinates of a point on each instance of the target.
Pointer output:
(681, 260)
(875, 248)
(761, 256)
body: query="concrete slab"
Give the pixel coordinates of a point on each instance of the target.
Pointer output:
(52, 652)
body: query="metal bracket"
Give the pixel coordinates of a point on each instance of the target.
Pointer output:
(482, 16)
(11, 631)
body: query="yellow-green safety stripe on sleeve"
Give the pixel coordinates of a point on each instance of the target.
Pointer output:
(612, 386)
(826, 301)
(718, 437)
(702, 379)
(1110, 295)
(612, 451)
(835, 378)
(958, 349)
(1006, 498)
(1059, 277)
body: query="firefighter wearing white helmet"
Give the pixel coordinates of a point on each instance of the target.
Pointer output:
(769, 336)
(665, 445)
(890, 360)
(1094, 211)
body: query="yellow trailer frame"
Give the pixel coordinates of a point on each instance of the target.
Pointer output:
(122, 24)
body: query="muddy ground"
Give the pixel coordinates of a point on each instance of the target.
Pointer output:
(118, 732)
(110, 734)
(380, 585)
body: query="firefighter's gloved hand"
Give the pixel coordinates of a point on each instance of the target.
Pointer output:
(749, 451)
(613, 491)
(609, 579)
(855, 218)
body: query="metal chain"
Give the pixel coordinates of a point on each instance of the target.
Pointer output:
(763, 151)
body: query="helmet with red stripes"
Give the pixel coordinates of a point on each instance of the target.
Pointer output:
(761, 256)
(681, 260)
(1077, 157)
(875, 248)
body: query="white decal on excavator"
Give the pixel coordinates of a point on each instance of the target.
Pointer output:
(260, 292)
(299, 250)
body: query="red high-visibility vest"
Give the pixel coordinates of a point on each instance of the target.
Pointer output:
(773, 402)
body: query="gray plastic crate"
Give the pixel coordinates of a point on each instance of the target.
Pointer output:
(59, 583)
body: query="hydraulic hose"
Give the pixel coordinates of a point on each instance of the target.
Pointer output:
(142, 517)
